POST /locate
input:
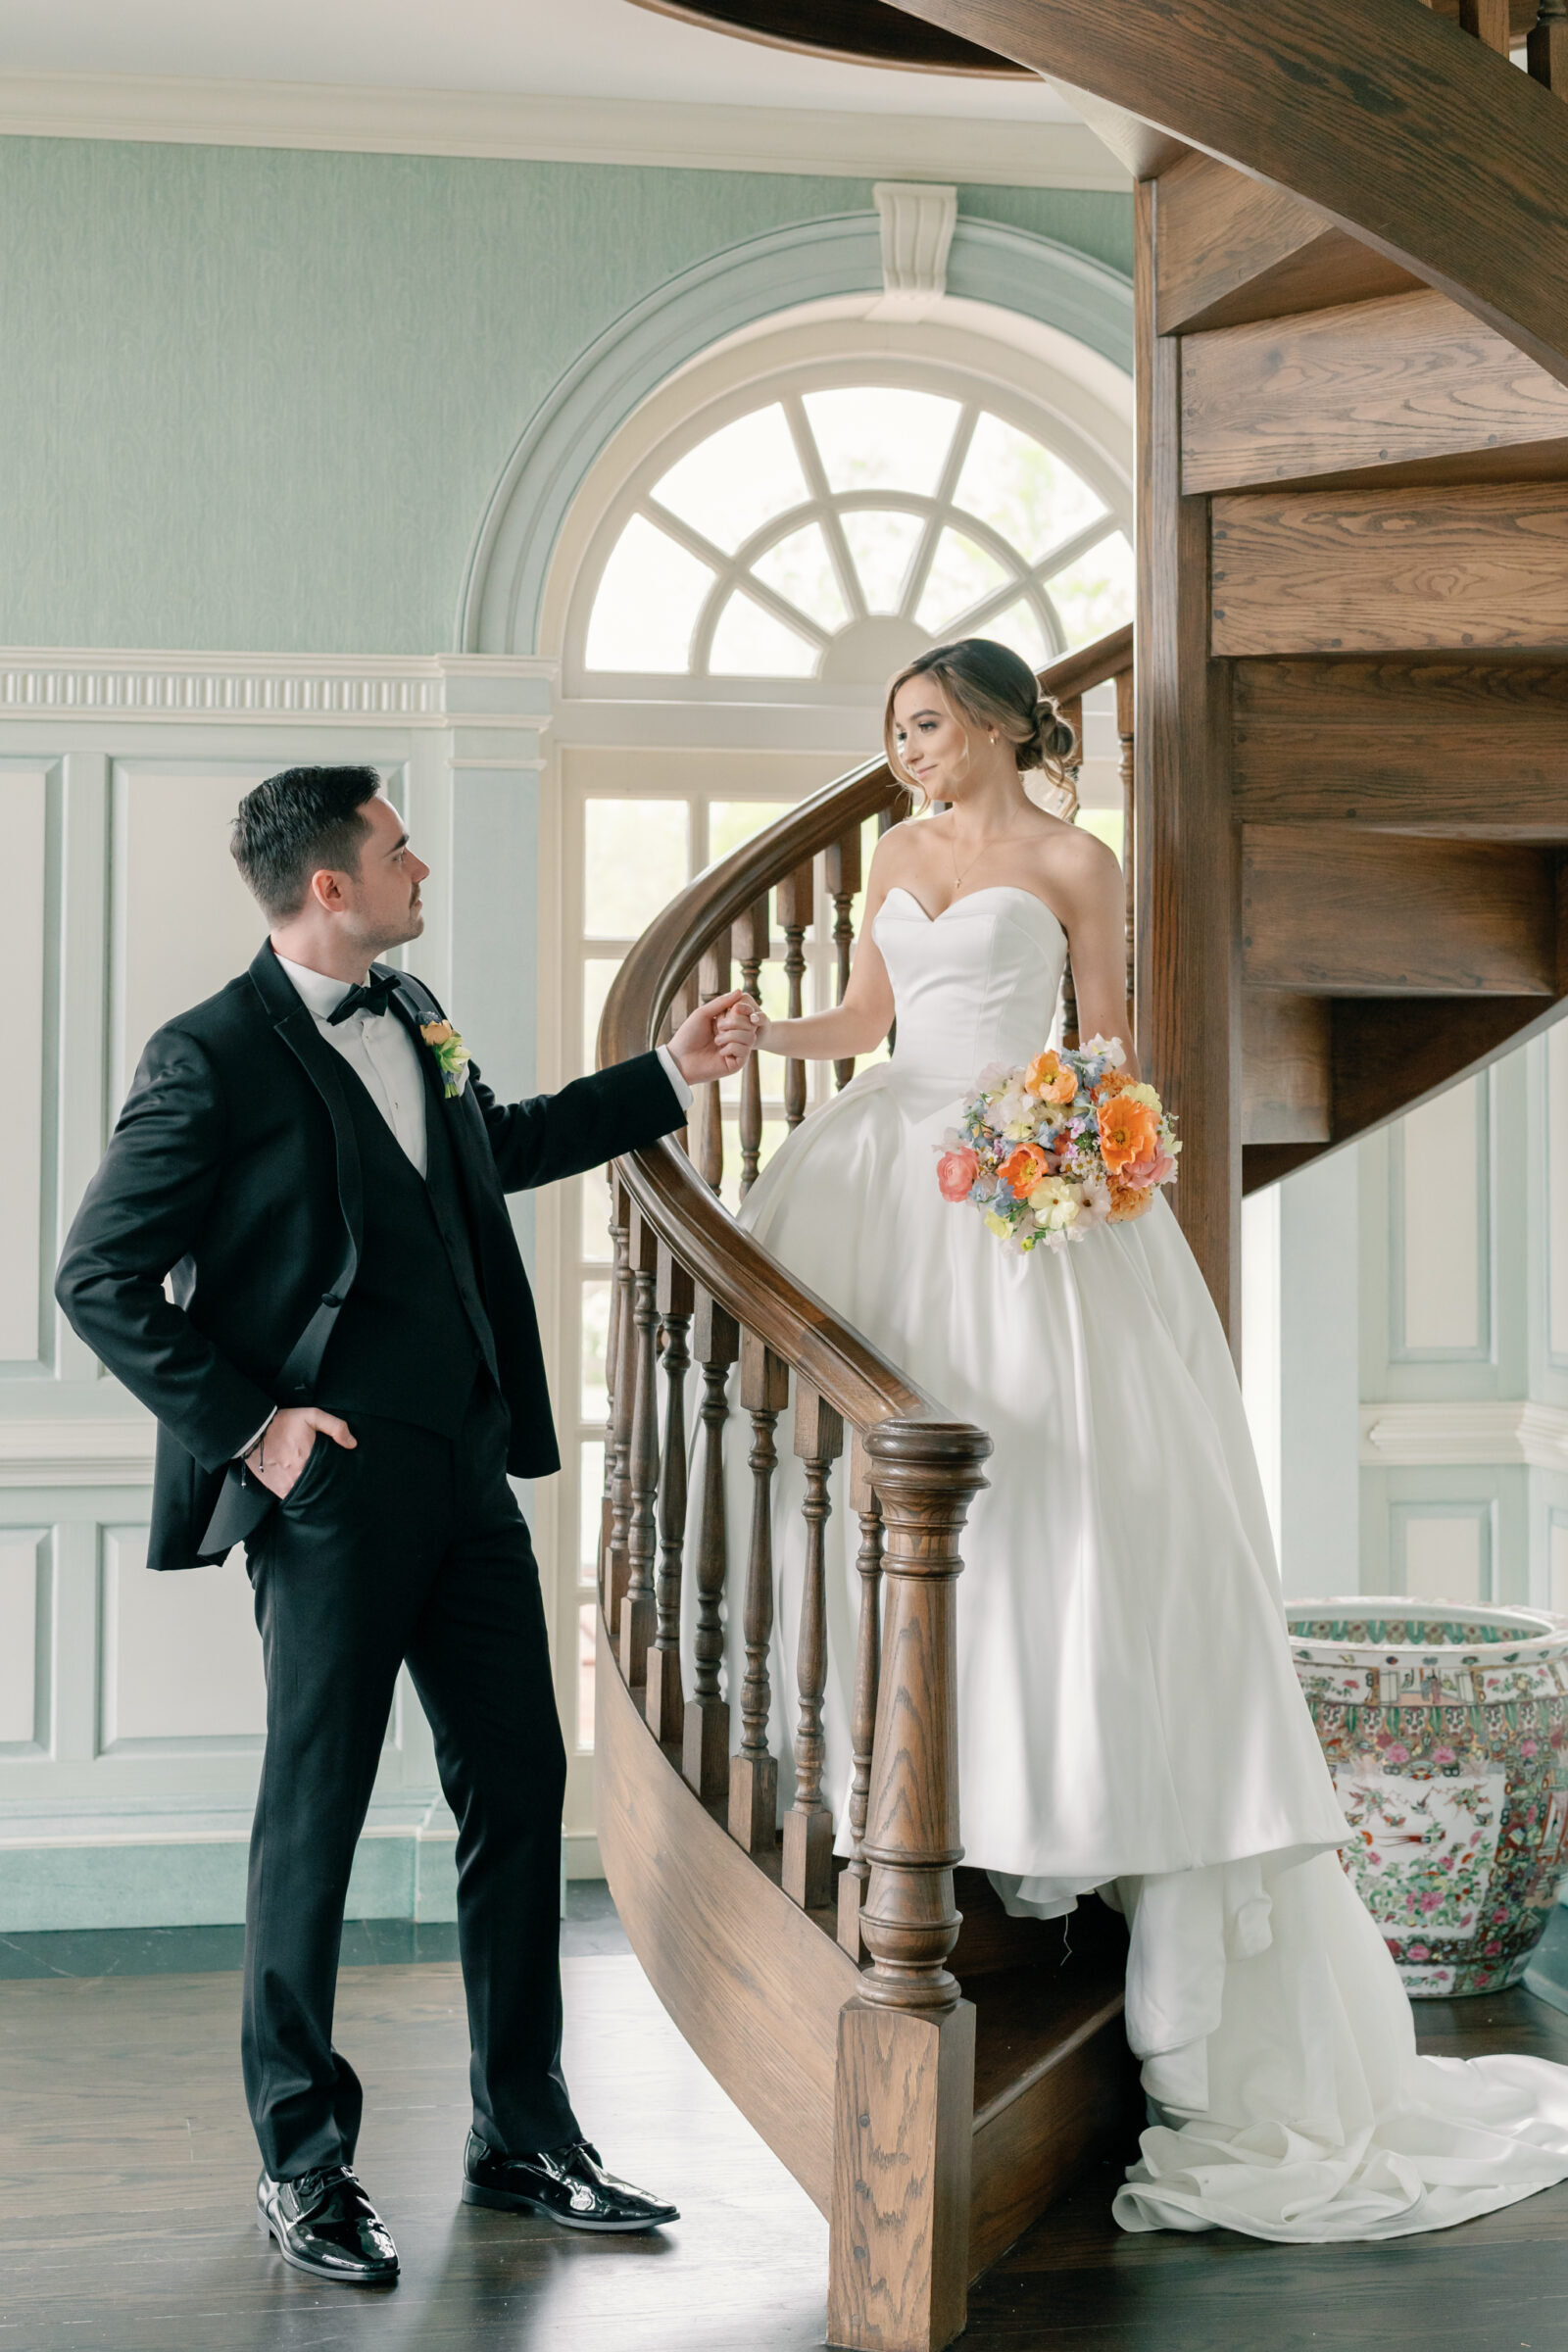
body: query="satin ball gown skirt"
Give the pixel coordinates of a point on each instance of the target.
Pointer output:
(1129, 1717)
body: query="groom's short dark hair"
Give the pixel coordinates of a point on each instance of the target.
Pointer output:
(290, 827)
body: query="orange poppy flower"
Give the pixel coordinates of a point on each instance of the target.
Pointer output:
(1046, 1078)
(1127, 1132)
(1024, 1168)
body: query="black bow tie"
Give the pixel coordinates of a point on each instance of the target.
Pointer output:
(373, 996)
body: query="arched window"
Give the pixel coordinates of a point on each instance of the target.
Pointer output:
(829, 531)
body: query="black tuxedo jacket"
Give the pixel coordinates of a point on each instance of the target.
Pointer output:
(234, 1167)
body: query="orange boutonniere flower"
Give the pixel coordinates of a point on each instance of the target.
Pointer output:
(449, 1054)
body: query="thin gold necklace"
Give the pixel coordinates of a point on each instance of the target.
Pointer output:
(983, 850)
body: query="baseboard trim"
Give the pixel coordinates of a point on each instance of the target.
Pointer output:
(164, 1876)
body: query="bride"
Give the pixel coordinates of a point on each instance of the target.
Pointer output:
(1128, 1718)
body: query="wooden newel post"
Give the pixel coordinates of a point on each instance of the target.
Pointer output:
(899, 2252)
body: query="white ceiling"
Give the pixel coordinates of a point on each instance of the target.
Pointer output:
(537, 48)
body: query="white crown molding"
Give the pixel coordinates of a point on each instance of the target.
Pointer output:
(367, 119)
(77, 1453)
(1486, 1432)
(434, 690)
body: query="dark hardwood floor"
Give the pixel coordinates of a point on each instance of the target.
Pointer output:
(126, 2171)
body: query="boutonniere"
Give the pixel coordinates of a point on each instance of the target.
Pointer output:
(450, 1054)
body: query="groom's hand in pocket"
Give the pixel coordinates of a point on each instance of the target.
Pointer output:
(708, 1046)
(286, 1444)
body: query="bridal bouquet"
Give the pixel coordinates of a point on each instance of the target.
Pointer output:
(1064, 1143)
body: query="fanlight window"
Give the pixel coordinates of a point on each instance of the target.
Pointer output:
(833, 533)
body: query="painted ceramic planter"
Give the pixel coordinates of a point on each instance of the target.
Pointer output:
(1447, 1732)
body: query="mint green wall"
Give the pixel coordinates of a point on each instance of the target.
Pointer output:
(257, 399)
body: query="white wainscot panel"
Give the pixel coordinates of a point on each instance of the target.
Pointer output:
(22, 993)
(179, 1657)
(1441, 1214)
(21, 1708)
(1558, 1187)
(1446, 1555)
(184, 921)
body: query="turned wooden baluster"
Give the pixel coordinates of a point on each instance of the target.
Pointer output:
(620, 1366)
(673, 1298)
(797, 904)
(1547, 49)
(809, 1823)
(753, 1772)
(751, 943)
(637, 1607)
(842, 879)
(1488, 19)
(1124, 737)
(862, 1722)
(714, 980)
(704, 1750)
(905, 2073)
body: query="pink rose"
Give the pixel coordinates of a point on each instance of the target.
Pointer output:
(956, 1172)
(1430, 1902)
(1416, 1951)
(1397, 1753)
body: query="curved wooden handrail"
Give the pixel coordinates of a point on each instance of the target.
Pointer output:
(1396, 126)
(842, 1366)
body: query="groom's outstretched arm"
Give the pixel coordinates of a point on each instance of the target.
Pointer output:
(589, 1121)
(139, 1217)
(615, 1110)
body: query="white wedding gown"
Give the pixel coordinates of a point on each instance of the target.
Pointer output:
(1128, 1718)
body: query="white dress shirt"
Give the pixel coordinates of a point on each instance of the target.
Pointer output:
(380, 1050)
(381, 1053)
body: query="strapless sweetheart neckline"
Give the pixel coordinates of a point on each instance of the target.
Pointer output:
(900, 890)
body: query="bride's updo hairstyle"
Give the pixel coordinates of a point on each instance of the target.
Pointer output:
(990, 686)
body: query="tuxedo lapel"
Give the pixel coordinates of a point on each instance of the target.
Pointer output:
(458, 1113)
(297, 1030)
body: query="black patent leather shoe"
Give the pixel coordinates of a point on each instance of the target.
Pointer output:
(325, 2223)
(568, 2183)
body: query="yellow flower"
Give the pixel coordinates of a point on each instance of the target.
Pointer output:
(1055, 1204)
(998, 1225)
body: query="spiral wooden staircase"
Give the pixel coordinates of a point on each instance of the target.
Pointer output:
(1347, 806)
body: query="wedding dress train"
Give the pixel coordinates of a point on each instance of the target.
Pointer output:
(1128, 1718)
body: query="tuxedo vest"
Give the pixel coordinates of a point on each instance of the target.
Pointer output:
(413, 1334)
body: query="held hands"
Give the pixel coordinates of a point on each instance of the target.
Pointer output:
(286, 1444)
(715, 1040)
(743, 1028)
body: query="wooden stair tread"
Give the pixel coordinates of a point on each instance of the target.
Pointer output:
(1025, 2024)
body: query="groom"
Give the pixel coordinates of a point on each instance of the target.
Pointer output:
(346, 1372)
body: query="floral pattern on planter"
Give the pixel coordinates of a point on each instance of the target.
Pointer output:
(1446, 1733)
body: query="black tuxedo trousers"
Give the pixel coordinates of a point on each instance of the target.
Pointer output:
(409, 1546)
